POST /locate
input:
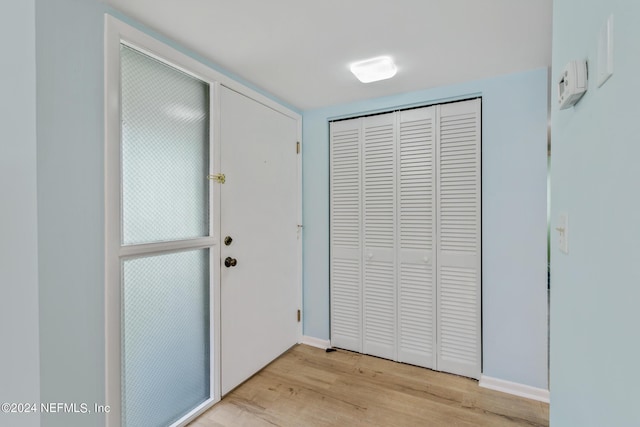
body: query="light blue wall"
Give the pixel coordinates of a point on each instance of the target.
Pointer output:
(514, 159)
(19, 348)
(69, 39)
(595, 288)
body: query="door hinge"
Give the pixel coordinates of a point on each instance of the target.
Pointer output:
(298, 147)
(299, 315)
(219, 178)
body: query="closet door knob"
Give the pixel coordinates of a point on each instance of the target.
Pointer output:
(370, 255)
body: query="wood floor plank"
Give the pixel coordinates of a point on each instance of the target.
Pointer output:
(309, 387)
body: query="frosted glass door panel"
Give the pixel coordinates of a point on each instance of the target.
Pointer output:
(165, 337)
(165, 151)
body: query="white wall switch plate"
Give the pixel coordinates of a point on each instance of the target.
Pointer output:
(605, 52)
(563, 232)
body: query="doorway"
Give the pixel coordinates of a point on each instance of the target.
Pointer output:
(191, 159)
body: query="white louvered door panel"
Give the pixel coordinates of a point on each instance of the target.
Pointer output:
(346, 236)
(416, 182)
(379, 285)
(459, 245)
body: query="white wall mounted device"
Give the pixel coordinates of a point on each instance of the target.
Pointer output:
(572, 83)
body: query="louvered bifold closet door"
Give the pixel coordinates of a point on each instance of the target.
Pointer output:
(459, 242)
(346, 236)
(379, 285)
(417, 237)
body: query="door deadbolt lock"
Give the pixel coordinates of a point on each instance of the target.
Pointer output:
(228, 240)
(230, 262)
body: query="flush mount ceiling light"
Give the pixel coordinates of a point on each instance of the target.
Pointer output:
(374, 69)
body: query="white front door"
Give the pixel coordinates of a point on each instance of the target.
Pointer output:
(259, 201)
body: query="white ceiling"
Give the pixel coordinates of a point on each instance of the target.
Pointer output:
(300, 50)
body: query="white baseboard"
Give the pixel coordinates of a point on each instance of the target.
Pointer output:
(315, 342)
(516, 389)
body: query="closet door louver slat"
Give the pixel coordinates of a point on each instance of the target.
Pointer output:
(346, 249)
(379, 293)
(459, 238)
(416, 225)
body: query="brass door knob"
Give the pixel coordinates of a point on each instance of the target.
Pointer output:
(230, 262)
(228, 240)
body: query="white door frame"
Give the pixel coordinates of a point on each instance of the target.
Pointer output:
(115, 33)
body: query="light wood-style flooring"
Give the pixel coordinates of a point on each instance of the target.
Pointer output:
(307, 387)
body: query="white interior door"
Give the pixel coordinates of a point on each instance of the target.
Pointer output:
(379, 194)
(259, 212)
(459, 238)
(345, 240)
(416, 177)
